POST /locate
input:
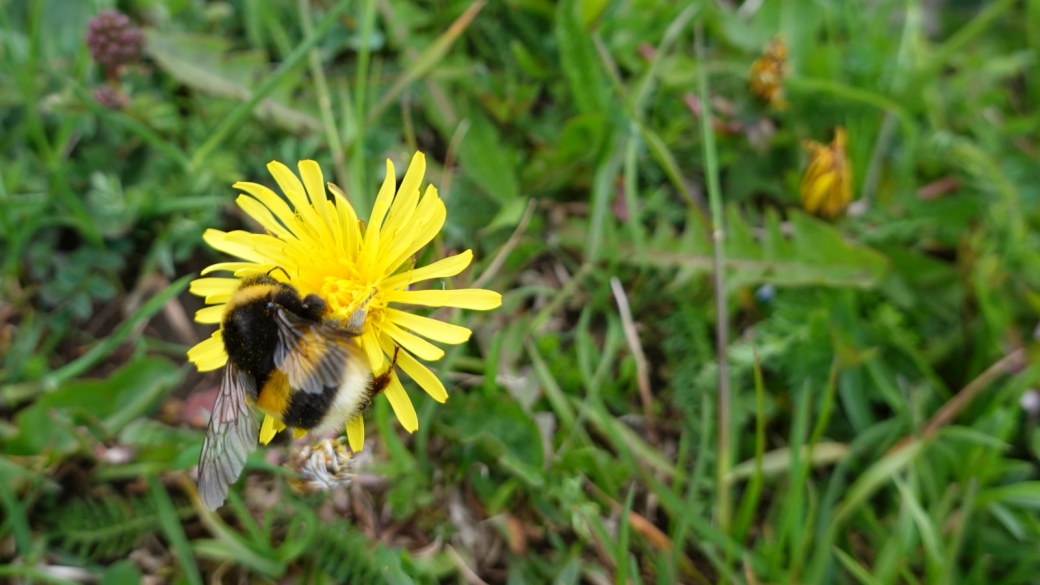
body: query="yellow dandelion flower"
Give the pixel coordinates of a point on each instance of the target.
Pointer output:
(319, 246)
(767, 73)
(827, 182)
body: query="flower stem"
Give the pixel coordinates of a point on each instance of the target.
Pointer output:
(711, 167)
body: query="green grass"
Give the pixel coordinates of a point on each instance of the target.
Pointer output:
(867, 425)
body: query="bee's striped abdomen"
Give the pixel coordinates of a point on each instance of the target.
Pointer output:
(306, 409)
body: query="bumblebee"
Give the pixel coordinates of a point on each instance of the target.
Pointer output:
(286, 358)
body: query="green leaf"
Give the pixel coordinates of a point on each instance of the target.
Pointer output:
(129, 393)
(857, 570)
(927, 530)
(392, 571)
(814, 254)
(503, 431)
(171, 526)
(875, 476)
(578, 59)
(484, 159)
(121, 573)
(1024, 495)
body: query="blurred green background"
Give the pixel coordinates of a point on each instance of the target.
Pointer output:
(879, 424)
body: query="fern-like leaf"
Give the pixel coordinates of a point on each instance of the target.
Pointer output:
(345, 555)
(106, 528)
(804, 252)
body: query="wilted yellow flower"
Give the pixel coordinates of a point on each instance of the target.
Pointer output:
(827, 182)
(322, 467)
(767, 73)
(319, 246)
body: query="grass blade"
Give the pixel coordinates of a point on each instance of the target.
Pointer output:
(427, 60)
(17, 518)
(857, 570)
(171, 526)
(749, 504)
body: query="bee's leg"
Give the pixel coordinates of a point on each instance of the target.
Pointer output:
(357, 319)
(380, 382)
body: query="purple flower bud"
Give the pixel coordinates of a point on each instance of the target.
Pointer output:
(111, 98)
(113, 40)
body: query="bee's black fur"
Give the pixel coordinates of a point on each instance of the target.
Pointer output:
(250, 332)
(306, 409)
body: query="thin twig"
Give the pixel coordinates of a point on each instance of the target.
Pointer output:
(955, 405)
(642, 369)
(504, 251)
(179, 321)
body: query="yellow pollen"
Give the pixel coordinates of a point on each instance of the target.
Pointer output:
(345, 295)
(341, 294)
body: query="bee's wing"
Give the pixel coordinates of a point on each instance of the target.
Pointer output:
(230, 438)
(312, 355)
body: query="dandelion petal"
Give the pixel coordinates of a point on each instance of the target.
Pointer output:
(262, 215)
(210, 315)
(271, 201)
(233, 243)
(422, 375)
(356, 433)
(430, 328)
(443, 268)
(228, 267)
(208, 286)
(465, 298)
(370, 344)
(413, 343)
(402, 405)
(270, 427)
(209, 354)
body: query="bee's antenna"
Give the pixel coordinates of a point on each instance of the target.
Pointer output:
(284, 271)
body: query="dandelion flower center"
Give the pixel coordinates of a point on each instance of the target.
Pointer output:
(345, 295)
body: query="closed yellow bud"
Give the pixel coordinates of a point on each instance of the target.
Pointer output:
(827, 182)
(767, 73)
